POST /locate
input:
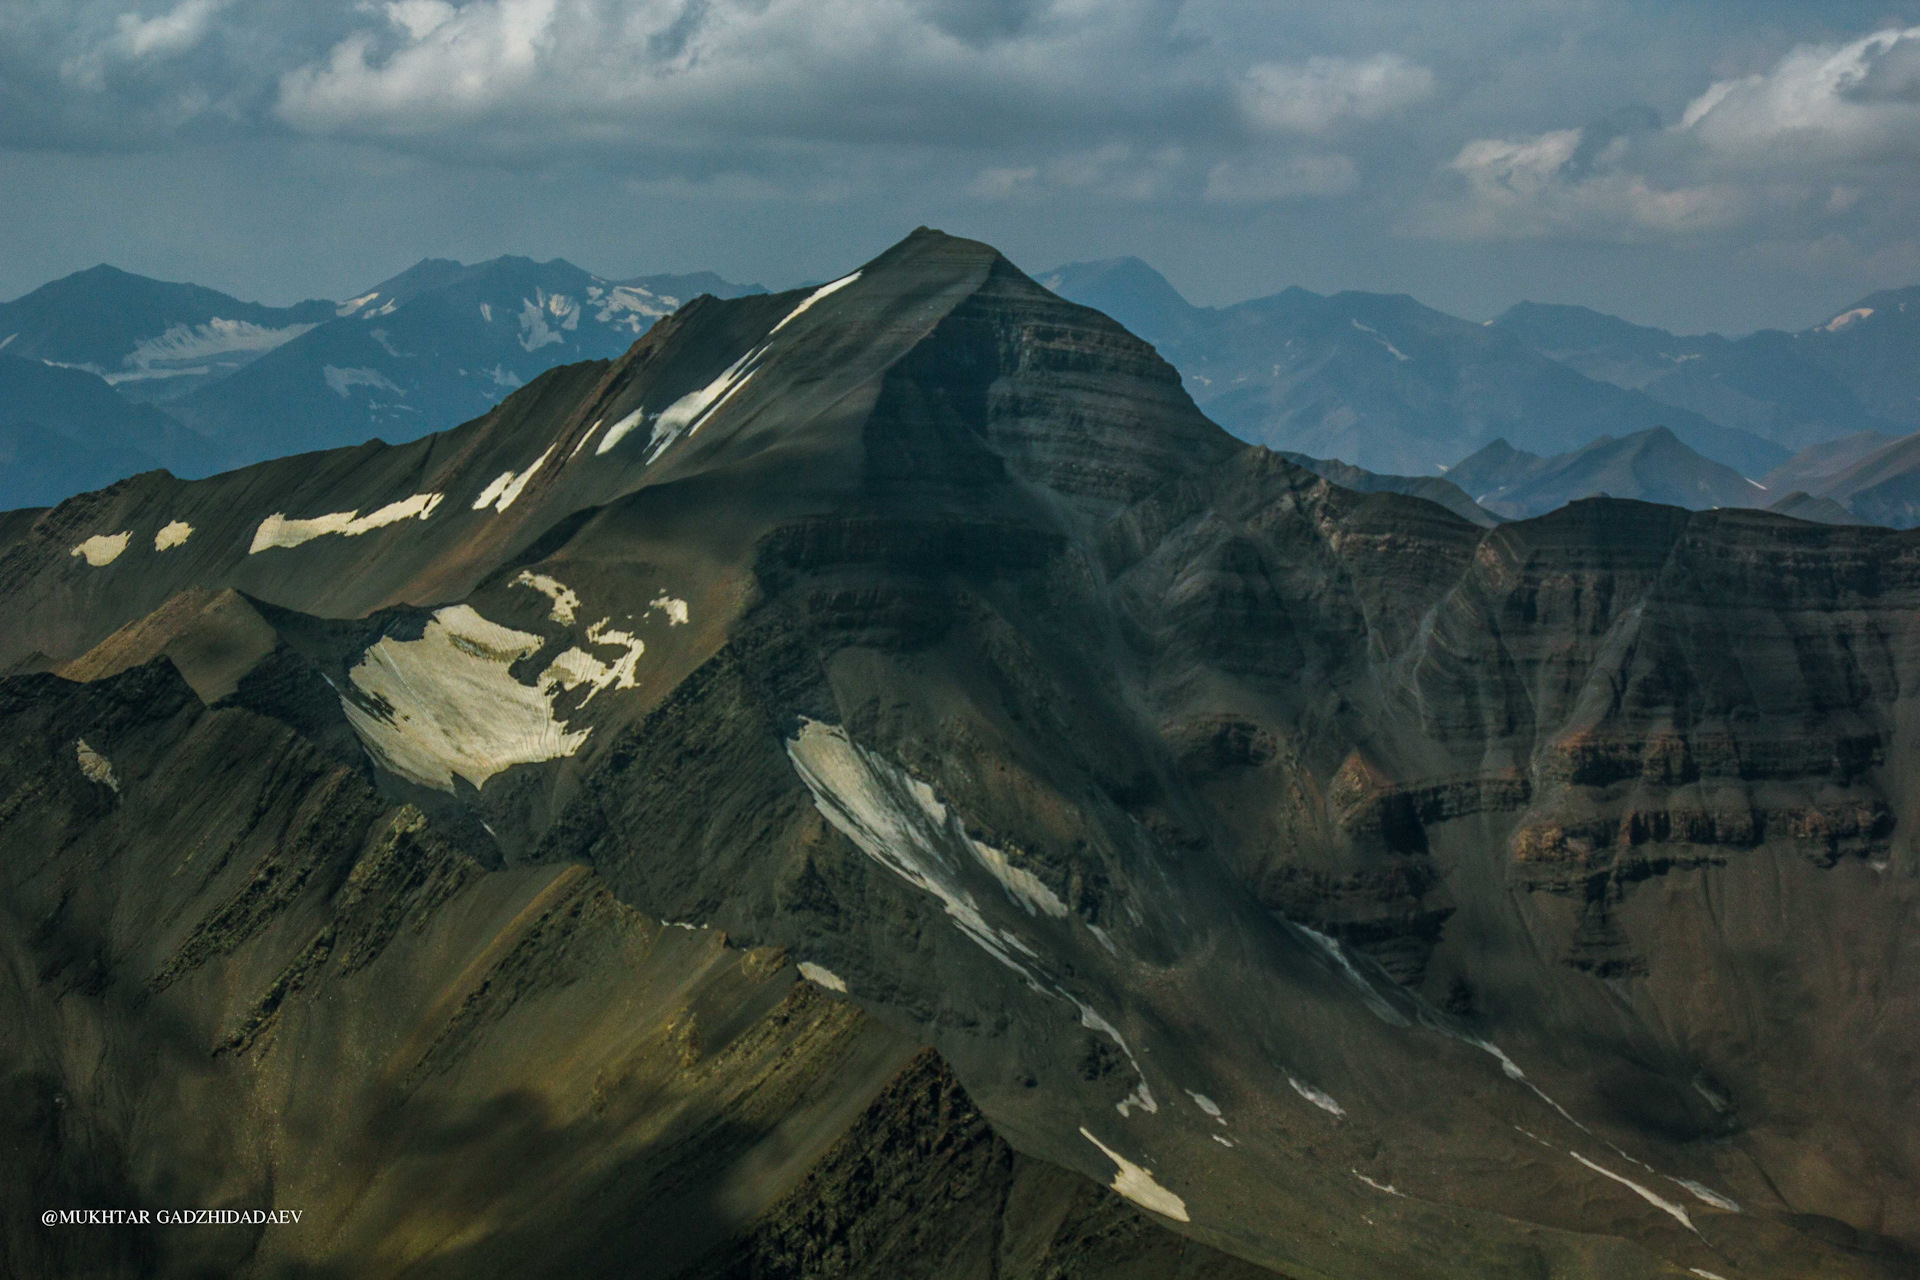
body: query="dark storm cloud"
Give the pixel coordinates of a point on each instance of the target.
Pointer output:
(1215, 133)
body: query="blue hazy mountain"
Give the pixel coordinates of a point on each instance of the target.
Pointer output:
(111, 373)
(1856, 372)
(1381, 381)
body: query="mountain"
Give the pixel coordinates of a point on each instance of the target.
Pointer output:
(1432, 488)
(1851, 375)
(872, 782)
(434, 346)
(64, 430)
(1817, 464)
(1380, 381)
(1874, 347)
(149, 339)
(1879, 487)
(1802, 505)
(1650, 466)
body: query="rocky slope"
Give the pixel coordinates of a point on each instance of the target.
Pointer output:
(1354, 890)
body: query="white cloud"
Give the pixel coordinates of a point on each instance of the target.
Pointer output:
(1544, 187)
(1116, 169)
(1819, 104)
(136, 39)
(1291, 177)
(1322, 93)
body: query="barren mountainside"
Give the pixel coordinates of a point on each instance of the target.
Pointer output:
(872, 782)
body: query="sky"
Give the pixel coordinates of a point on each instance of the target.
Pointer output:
(1697, 164)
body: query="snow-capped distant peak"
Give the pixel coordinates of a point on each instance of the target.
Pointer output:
(1847, 319)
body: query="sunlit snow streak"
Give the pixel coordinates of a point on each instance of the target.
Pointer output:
(821, 976)
(501, 492)
(278, 531)
(823, 291)
(618, 431)
(899, 822)
(1652, 1198)
(1137, 1184)
(1320, 1099)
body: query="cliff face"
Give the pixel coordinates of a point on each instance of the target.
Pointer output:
(1355, 890)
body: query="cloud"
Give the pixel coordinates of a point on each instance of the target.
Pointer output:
(136, 39)
(1272, 179)
(1819, 104)
(1323, 93)
(1555, 185)
(1116, 170)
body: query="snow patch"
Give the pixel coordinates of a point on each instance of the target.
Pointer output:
(1141, 1097)
(171, 535)
(185, 349)
(1705, 1194)
(565, 599)
(348, 308)
(1321, 1100)
(486, 312)
(618, 431)
(628, 307)
(1381, 338)
(821, 976)
(1207, 1105)
(1847, 319)
(1705, 1274)
(1225, 1142)
(823, 291)
(505, 487)
(583, 439)
(342, 381)
(1021, 885)
(447, 704)
(535, 330)
(1137, 1185)
(576, 667)
(278, 531)
(96, 767)
(895, 819)
(1387, 1187)
(676, 610)
(1651, 1197)
(1374, 1000)
(102, 549)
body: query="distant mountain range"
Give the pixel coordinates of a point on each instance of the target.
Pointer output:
(1652, 466)
(1855, 373)
(1567, 401)
(1381, 381)
(1390, 385)
(179, 376)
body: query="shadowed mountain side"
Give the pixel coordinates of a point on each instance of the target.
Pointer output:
(1358, 890)
(290, 991)
(1432, 488)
